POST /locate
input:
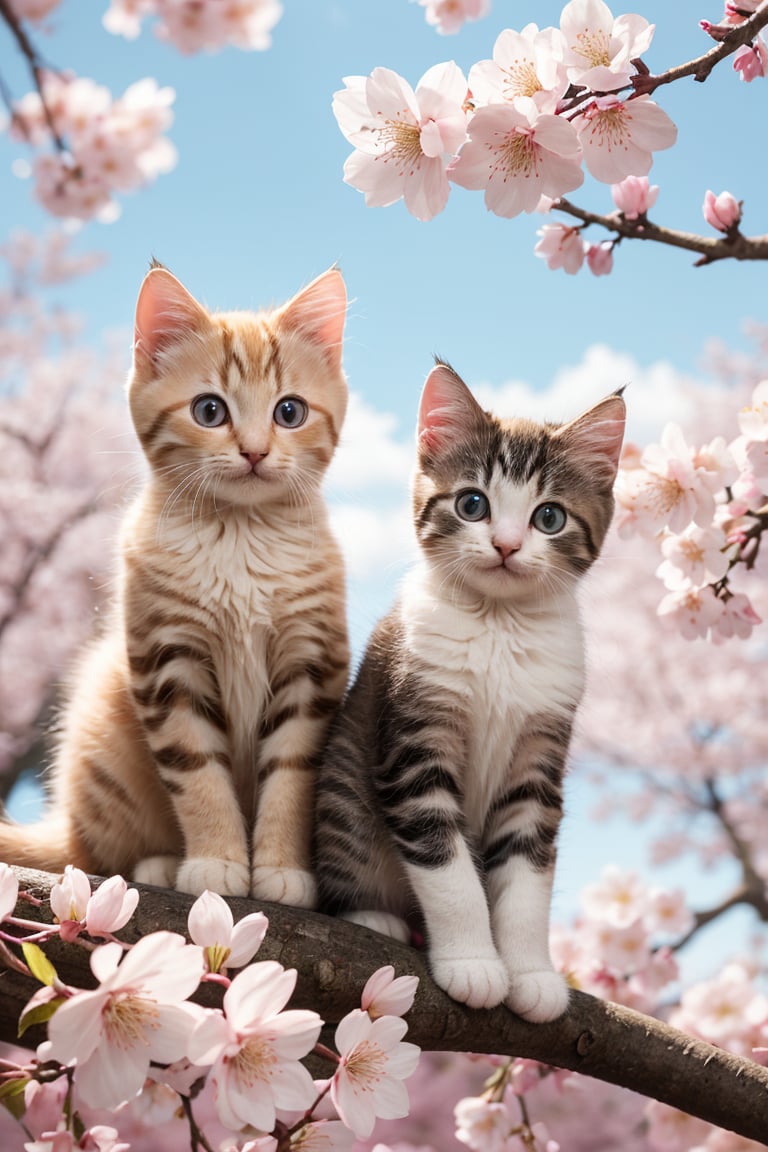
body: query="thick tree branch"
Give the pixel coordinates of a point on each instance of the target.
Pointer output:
(334, 959)
(734, 245)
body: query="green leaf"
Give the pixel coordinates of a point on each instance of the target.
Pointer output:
(39, 964)
(12, 1096)
(40, 1014)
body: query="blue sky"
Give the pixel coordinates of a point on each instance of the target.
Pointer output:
(256, 208)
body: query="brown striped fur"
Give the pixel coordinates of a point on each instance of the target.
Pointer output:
(188, 747)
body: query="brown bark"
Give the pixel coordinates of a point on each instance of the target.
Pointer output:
(334, 959)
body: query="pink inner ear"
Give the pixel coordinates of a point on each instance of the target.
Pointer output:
(447, 408)
(600, 431)
(319, 312)
(164, 310)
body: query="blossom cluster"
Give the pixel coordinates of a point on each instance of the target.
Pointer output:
(751, 59)
(104, 145)
(706, 506)
(521, 127)
(138, 1027)
(194, 27)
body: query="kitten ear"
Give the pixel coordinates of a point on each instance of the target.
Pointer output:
(318, 312)
(598, 433)
(446, 412)
(164, 312)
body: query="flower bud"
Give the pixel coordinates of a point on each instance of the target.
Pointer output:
(634, 196)
(722, 212)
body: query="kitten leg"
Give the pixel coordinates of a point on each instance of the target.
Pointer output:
(177, 700)
(519, 857)
(158, 870)
(292, 734)
(462, 955)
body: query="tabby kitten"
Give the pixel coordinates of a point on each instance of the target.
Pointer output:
(440, 790)
(189, 746)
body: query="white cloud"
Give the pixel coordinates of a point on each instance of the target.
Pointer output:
(374, 541)
(370, 452)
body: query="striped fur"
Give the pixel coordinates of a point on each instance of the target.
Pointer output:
(440, 791)
(188, 749)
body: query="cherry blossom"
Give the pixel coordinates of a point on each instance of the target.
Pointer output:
(618, 898)
(518, 154)
(599, 49)
(374, 1062)
(526, 63)
(9, 891)
(751, 60)
(561, 246)
(34, 10)
(634, 196)
(254, 1048)
(194, 27)
(737, 618)
(135, 1015)
(70, 895)
(694, 610)
(105, 911)
(483, 1124)
(600, 258)
(403, 138)
(722, 212)
(322, 1136)
(619, 137)
(448, 16)
(224, 943)
(695, 556)
(388, 995)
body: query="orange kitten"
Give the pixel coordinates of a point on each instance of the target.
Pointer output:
(187, 752)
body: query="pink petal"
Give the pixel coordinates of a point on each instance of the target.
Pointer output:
(351, 1030)
(247, 936)
(111, 906)
(210, 920)
(295, 1033)
(168, 1041)
(112, 1075)
(105, 960)
(258, 993)
(389, 95)
(210, 1038)
(355, 1109)
(292, 1085)
(75, 1030)
(426, 189)
(381, 181)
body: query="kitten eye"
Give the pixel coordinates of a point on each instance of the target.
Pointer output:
(549, 518)
(291, 412)
(472, 506)
(209, 411)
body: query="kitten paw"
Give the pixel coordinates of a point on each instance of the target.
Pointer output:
(226, 877)
(477, 982)
(158, 870)
(384, 922)
(291, 886)
(538, 996)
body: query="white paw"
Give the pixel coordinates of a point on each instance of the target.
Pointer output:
(538, 996)
(384, 922)
(291, 886)
(480, 983)
(158, 870)
(226, 877)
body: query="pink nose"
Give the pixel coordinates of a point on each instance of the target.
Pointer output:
(505, 548)
(253, 458)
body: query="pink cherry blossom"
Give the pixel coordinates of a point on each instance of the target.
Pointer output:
(388, 995)
(403, 138)
(753, 420)
(517, 154)
(668, 912)
(34, 10)
(599, 49)
(9, 891)
(619, 898)
(693, 610)
(225, 944)
(70, 895)
(728, 1010)
(135, 1015)
(738, 618)
(322, 1136)
(634, 196)
(673, 1131)
(374, 1062)
(670, 490)
(194, 27)
(110, 907)
(619, 137)
(600, 258)
(695, 556)
(526, 63)
(448, 16)
(751, 60)
(255, 1047)
(561, 246)
(722, 212)
(482, 1124)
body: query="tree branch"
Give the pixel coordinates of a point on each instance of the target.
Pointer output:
(733, 246)
(334, 959)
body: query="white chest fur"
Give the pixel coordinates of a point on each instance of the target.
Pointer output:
(506, 661)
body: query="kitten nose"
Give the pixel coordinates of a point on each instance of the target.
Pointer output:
(506, 547)
(253, 457)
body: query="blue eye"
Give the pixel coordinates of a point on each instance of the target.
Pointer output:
(472, 505)
(291, 412)
(549, 518)
(209, 411)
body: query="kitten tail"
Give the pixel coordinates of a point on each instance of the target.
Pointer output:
(47, 846)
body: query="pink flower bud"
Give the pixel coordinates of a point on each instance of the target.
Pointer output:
(722, 212)
(600, 258)
(634, 196)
